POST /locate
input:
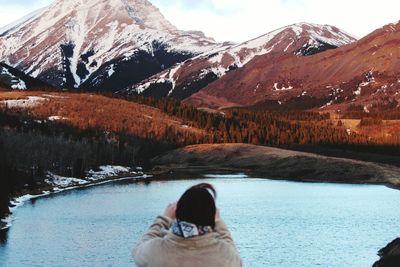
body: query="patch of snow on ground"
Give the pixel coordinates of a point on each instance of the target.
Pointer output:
(217, 58)
(111, 70)
(140, 89)
(17, 84)
(296, 29)
(219, 71)
(21, 85)
(24, 103)
(61, 181)
(327, 104)
(56, 96)
(358, 91)
(107, 171)
(283, 88)
(289, 45)
(56, 118)
(171, 75)
(363, 84)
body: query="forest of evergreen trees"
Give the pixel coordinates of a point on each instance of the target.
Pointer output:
(30, 147)
(273, 128)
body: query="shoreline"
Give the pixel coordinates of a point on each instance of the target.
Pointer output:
(275, 164)
(254, 161)
(203, 172)
(20, 200)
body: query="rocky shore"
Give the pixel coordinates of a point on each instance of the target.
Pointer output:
(275, 163)
(390, 255)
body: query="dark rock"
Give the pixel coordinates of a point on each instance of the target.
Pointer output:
(390, 255)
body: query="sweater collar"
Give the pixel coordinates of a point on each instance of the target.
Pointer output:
(189, 230)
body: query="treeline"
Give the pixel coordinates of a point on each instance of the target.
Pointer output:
(68, 150)
(30, 147)
(260, 127)
(391, 111)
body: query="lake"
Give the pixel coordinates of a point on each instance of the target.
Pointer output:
(274, 223)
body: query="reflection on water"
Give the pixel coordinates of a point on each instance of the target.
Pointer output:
(274, 223)
(3, 237)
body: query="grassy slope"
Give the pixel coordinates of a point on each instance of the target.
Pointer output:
(87, 111)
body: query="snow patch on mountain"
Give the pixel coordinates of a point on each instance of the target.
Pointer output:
(15, 82)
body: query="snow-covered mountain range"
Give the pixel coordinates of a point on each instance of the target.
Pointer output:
(97, 44)
(184, 79)
(128, 46)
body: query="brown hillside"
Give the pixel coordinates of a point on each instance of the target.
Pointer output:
(94, 111)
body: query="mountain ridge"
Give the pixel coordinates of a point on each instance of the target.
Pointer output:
(364, 73)
(186, 78)
(71, 43)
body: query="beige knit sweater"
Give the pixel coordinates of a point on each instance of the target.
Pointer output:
(161, 248)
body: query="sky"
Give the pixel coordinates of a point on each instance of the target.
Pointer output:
(241, 20)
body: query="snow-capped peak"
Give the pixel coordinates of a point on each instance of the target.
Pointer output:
(300, 39)
(70, 40)
(288, 36)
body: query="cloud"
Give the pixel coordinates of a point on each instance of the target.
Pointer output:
(12, 10)
(241, 20)
(26, 3)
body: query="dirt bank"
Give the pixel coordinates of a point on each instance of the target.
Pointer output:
(276, 164)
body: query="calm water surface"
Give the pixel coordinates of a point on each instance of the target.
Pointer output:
(274, 223)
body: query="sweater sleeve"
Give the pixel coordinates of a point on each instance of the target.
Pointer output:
(222, 230)
(158, 229)
(225, 235)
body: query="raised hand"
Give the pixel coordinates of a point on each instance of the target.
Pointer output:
(170, 211)
(217, 215)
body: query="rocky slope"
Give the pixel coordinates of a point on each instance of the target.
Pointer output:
(186, 78)
(97, 44)
(364, 74)
(11, 78)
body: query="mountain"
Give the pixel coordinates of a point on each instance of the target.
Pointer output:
(184, 79)
(364, 75)
(11, 78)
(97, 44)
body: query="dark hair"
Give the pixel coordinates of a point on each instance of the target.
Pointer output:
(197, 205)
